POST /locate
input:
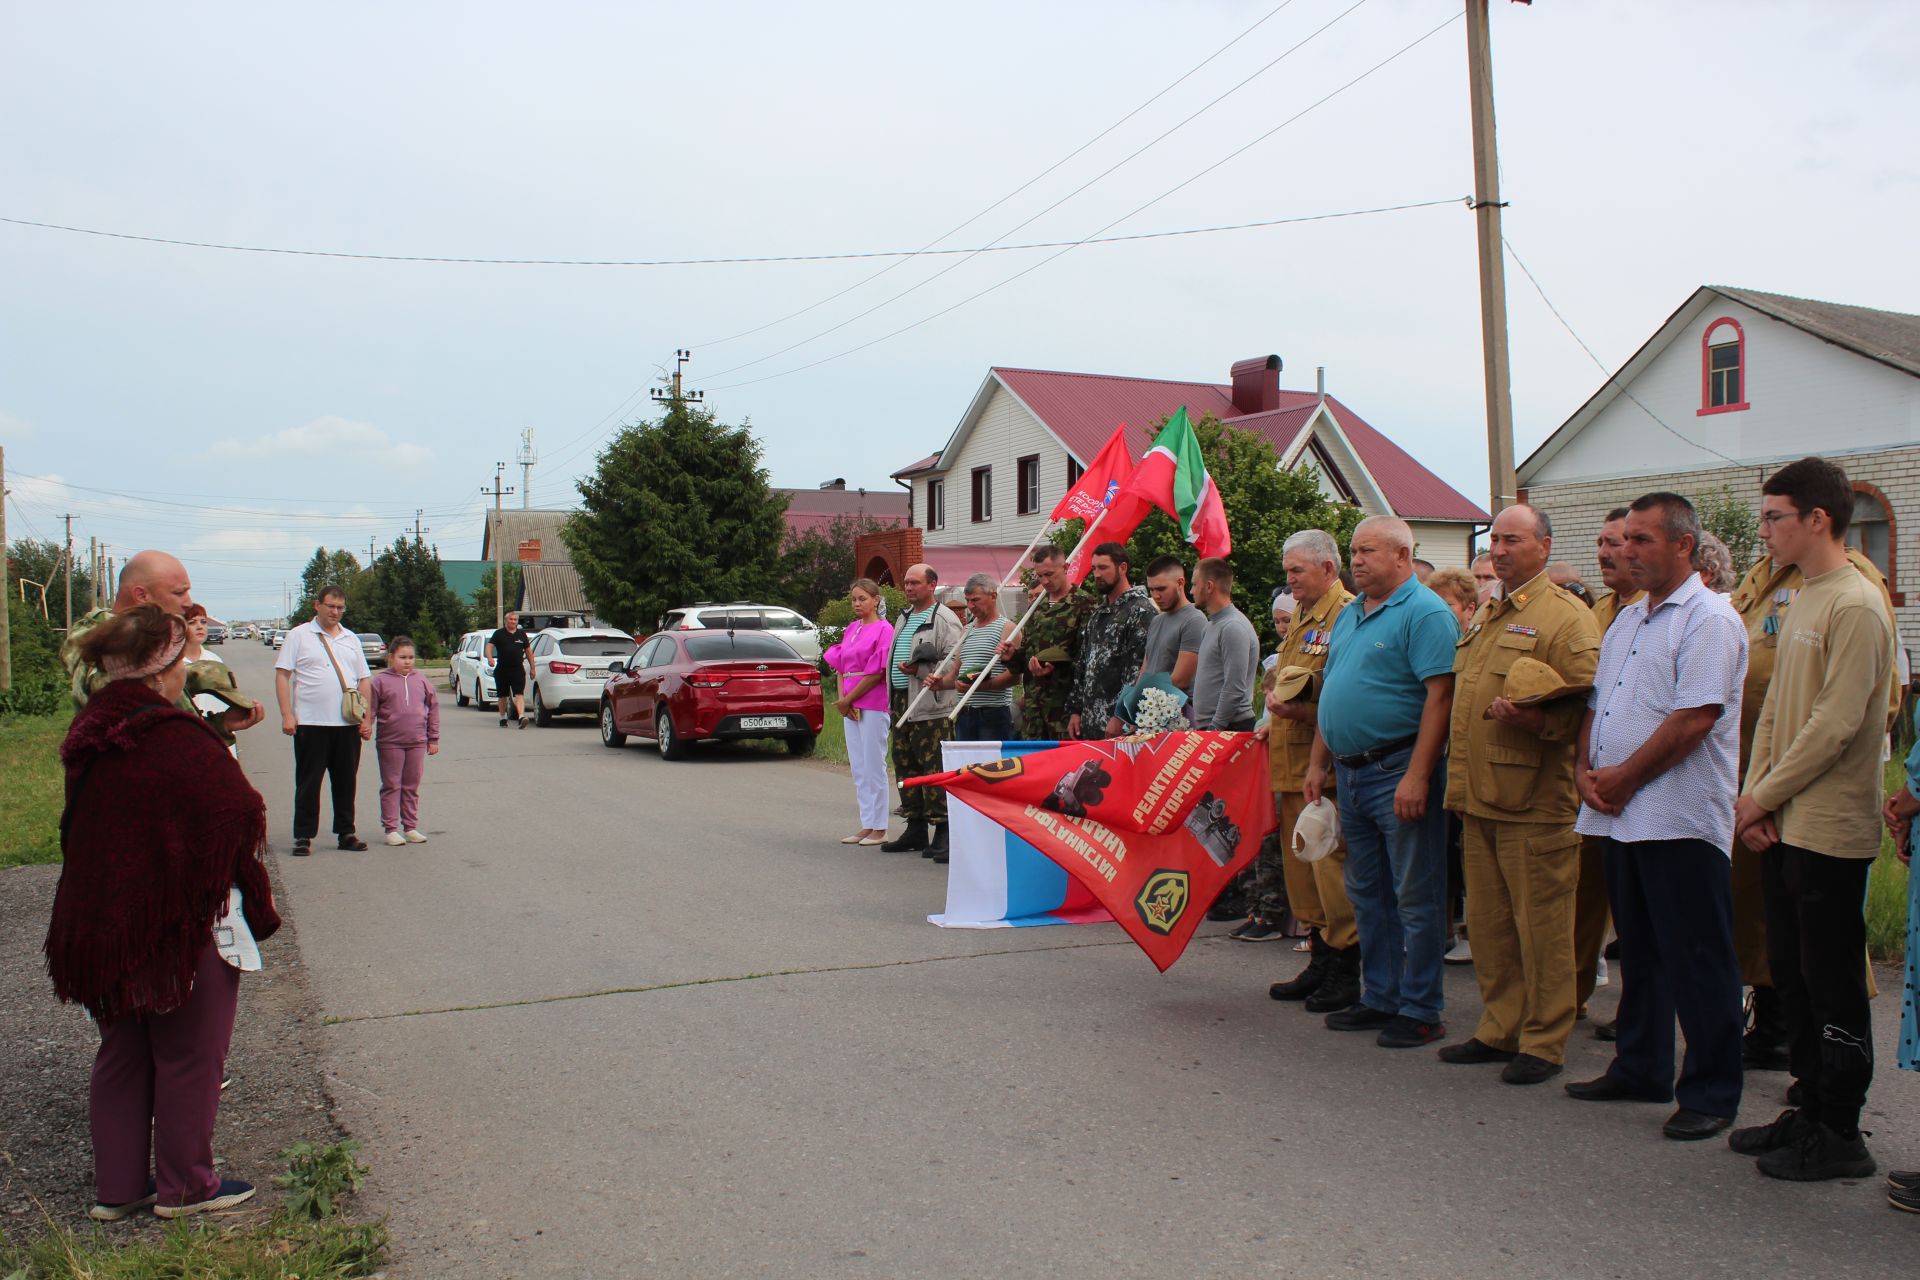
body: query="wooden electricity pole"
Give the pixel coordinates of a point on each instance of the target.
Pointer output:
(66, 565)
(498, 491)
(6, 635)
(1493, 276)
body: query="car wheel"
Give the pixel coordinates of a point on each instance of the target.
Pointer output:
(671, 747)
(459, 691)
(610, 735)
(541, 716)
(802, 746)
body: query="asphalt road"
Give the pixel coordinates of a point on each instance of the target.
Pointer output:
(629, 1018)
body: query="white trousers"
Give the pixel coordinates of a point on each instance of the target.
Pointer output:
(867, 753)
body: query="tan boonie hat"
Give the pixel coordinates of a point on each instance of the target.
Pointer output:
(1532, 681)
(210, 675)
(1317, 831)
(1290, 682)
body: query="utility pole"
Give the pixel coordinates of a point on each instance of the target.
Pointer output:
(93, 574)
(6, 636)
(498, 492)
(418, 532)
(369, 551)
(66, 566)
(527, 458)
(1493, 275)
(677, 395)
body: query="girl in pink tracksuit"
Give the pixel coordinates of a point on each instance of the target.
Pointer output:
(405, 711)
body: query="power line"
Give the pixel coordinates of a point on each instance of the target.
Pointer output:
(928, 248)
(1235, 154)
(1118, 164)
(1611, 380)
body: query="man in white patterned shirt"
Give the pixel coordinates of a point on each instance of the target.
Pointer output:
(1658, 773)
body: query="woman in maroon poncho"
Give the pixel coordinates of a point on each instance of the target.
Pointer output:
(161, 898)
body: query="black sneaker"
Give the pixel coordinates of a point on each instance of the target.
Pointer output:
(1359, 1017)
(1409, 1033)
(1258, 930)
(1758, 1139)
(1903, 1180)
(503, 722)
(1527, 1069)
(303, 848)
(1475, 1050)
(1763, 1055)
(1904, 1201)
(1819, 1155)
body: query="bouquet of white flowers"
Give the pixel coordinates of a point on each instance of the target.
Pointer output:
(1158, 712)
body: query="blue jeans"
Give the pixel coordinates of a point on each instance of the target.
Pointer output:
(1397, 879)
(984, 724)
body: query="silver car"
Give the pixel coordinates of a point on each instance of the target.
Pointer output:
(570, 668)
(800, 635)
(468, 674)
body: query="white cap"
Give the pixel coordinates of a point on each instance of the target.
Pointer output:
(1317, 831)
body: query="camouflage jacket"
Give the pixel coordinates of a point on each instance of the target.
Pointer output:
(1048, 700)
(1113, 640)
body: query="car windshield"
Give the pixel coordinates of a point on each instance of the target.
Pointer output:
(719, 646)
(368, 635)
(598, 646)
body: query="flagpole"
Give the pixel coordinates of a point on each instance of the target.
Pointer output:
(1021, 625)
(1005, 582)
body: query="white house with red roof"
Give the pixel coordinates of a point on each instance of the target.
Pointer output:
(1028, 433)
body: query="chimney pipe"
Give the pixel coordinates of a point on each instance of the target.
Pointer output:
(1320, 381)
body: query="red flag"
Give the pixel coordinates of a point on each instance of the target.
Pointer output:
(1097, 484)
(1153, 825)
(1173, 478)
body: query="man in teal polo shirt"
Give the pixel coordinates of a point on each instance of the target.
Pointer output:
(1385, 701)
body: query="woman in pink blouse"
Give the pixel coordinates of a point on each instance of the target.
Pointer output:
(861, 660)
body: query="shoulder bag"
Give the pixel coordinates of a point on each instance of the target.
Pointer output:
(353, 707)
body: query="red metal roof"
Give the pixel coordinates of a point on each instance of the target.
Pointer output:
(915, 468)
(809, 509)
(1082, 409)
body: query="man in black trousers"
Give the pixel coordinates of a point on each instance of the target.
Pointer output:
(319, 662)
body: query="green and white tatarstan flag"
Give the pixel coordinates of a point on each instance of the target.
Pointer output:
(1172, 477)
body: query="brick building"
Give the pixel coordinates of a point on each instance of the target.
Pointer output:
(1731, 386)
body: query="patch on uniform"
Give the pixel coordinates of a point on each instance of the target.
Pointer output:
(1519, 630)
(1163, 900)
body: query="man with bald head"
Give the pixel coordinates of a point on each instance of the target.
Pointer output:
(922, 640)
(150, 577)
(1510, 778)
(1385, 699)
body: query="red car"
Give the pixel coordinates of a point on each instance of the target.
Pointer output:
(685, 686)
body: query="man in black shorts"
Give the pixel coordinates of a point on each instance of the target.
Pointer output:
(507, 650)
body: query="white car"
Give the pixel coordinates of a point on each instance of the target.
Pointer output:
(800, 635)
(468, 674)
(279, 638)
(570, 669)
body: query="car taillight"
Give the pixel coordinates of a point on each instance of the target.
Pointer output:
(563, 668)
(808, 679)
(708, 682)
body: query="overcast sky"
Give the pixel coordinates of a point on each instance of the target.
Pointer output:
(248, 406)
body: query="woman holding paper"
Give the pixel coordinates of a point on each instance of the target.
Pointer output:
(861, 660)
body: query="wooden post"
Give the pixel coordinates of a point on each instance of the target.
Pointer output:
(1493, 276)
(66, 566)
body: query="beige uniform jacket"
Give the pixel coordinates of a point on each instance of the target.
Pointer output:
(1290, 742)
(1497, 770)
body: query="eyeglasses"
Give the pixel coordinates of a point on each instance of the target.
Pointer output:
(1775, 517)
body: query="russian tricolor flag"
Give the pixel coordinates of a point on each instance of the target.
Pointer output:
(996, 880)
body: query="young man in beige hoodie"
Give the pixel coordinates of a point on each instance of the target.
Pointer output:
(1809, 805)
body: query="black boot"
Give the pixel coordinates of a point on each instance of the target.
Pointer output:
(1340, 987)
(1308, 980)
(938, 849)
(912, 840)
(1765, 1046)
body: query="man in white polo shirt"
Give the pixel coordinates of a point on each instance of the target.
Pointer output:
(319, 661)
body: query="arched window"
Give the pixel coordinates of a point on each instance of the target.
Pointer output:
(1723, 367)
(1871, 531)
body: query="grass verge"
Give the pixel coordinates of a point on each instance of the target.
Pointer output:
(34, 790)
(279, 1248)
(1887, 909)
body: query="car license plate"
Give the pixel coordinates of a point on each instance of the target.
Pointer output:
(763, 722)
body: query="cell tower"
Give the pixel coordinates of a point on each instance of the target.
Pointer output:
(527, 458)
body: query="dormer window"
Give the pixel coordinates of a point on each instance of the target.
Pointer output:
(1723, 367)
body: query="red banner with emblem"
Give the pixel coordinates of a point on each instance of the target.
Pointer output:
(1153, 825)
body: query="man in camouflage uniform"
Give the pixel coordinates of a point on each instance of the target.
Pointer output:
(1761, 600)
(923, 639)
(1113, 639)
(1053, 628)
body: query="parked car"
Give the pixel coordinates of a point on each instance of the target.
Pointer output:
(266, 636)
(570, 667)
(279, 638)
(468, 674)
(802, 636)
(216, 635)
(683, 687)
(374, 647)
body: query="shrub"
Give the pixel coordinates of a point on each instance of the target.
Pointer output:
(317, 1178)
(838, 613)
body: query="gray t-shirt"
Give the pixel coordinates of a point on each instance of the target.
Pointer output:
(1223, 682)
(1171, 634)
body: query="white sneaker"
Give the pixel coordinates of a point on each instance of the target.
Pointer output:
(1462, 953)
(394, 837)
(1600, 978)
(414, 837)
